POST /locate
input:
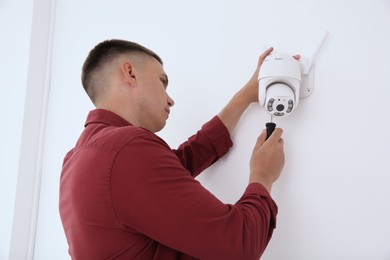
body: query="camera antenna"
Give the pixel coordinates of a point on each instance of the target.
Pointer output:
(317, 51)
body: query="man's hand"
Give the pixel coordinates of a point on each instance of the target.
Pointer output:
(267, 159)
(252, 87)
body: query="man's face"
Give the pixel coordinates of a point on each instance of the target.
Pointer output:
(154, 101)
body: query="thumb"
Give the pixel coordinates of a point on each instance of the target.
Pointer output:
(263, 56)
(261, 139)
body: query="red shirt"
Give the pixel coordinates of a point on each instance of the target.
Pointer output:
(125, 194)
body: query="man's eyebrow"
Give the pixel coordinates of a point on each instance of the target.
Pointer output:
(164, 79)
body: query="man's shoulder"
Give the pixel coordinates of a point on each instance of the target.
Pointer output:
(118, 137)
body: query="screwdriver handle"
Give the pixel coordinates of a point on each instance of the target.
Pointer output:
(270, 128)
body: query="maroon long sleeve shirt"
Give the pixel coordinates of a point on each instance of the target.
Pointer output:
(125, 194)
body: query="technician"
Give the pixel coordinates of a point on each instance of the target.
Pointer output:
(125, 194)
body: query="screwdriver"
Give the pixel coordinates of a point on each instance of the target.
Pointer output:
(270, 128)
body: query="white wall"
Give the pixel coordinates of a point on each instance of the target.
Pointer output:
(15, 29)
(333, 195)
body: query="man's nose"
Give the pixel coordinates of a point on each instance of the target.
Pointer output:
(170, 101)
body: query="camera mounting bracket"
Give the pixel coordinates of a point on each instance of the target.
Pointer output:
(308, 70)
(307, 80)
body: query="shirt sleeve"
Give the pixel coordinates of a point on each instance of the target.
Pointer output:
(201, 150)
(153, 194)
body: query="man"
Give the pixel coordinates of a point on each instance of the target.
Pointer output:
(125, 194)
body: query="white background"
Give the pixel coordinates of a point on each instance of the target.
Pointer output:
(15, 29)
(333, 196)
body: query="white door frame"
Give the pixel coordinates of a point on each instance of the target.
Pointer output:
(33, 132)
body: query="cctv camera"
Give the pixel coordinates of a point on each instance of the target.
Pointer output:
(279, 84)
(283, 80)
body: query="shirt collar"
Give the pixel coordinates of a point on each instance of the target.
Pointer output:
(105, 117)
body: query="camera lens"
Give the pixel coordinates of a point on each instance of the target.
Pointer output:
(280, 107)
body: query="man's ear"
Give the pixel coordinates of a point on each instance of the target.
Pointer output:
(128, 73)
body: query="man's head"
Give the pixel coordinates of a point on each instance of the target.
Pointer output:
(129, 80)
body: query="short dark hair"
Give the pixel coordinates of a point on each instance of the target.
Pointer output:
(104, 53)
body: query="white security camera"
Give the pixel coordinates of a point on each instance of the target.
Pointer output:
(279, 84)
(283, 80)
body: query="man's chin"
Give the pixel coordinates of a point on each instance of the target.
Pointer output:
(160, 127)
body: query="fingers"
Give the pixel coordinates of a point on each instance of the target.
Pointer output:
(297, 56)
(261, 139)
(276, 136)
(268, 52)
(264, 55)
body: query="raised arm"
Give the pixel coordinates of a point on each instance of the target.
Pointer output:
(232, 112)
(205, 147)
